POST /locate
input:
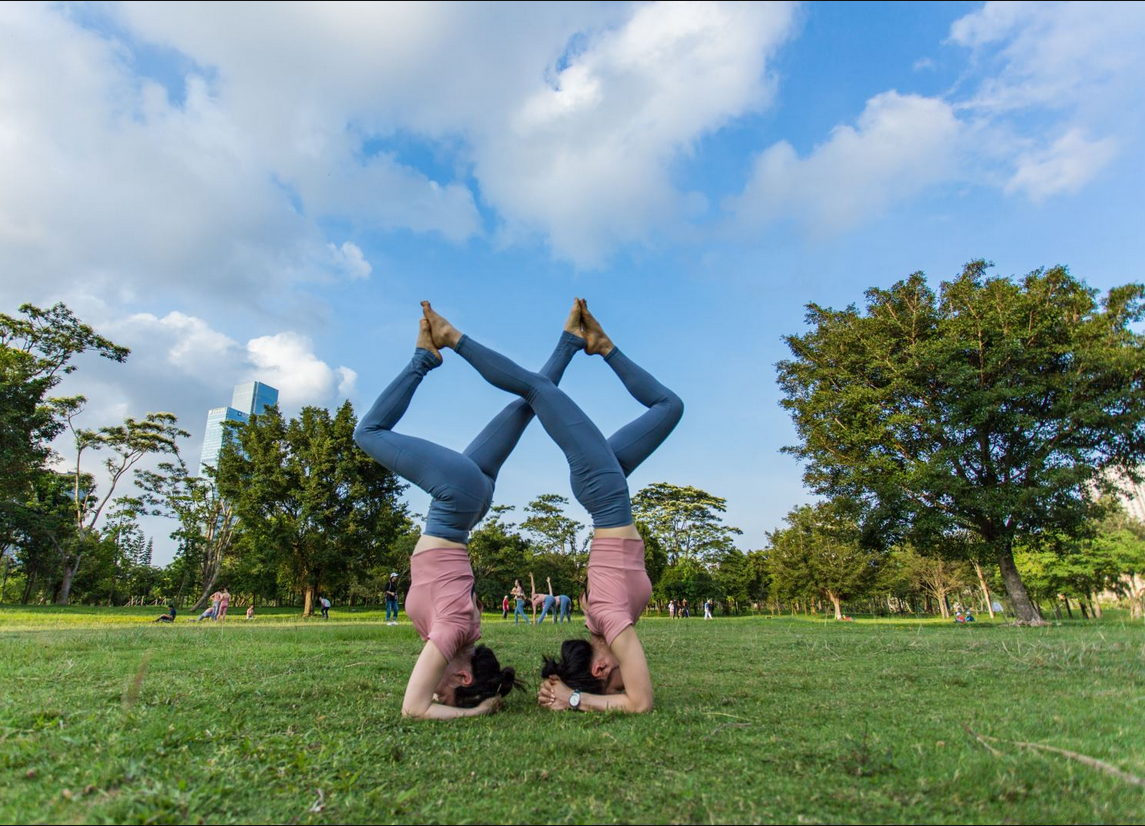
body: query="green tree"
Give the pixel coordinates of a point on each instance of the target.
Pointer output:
(686, 520)
(994, 406)
(206, 520)
(36, 352)
(128, 443)
(554, 531)
(819, 554)
(305, 493)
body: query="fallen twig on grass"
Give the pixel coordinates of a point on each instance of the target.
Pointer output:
(132, 692)
(982, 740)
(1084, 759)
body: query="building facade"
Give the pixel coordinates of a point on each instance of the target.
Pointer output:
(249, 399)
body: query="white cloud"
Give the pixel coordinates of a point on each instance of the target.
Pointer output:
(287, 361)
(1046, 77)
(571, 143)
(585, 160)
(1067, 166)
(1056, 55)
(350, 260)
(900, 145)
(348, 381)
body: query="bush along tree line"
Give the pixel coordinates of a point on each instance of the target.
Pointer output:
(963, 443)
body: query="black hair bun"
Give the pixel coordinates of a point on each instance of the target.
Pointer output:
(508, 680)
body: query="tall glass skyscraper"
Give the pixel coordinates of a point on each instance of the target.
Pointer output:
(249, 399)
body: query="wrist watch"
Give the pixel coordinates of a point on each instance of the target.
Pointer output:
(574, 700)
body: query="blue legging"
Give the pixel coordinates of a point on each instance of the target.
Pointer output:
(566, 604)
(550, 602)
(461, 484)
(520, 614)
(598, 467)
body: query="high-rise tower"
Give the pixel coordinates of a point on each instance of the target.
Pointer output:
(249, 399)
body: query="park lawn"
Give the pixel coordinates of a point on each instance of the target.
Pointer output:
(756, 719)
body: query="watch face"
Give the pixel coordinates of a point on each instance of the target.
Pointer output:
(574, 700)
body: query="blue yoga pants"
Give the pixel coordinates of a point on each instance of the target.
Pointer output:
(598, 467)
(461, 484)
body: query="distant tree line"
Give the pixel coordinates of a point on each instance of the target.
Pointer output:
(962, 443)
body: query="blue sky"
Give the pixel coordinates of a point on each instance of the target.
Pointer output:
(256, 191)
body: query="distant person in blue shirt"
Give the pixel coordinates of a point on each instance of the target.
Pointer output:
(168, 617)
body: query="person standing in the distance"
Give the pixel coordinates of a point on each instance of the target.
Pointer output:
(392, 599)
(325, 605)
(224, 603)
(708, 608)
(684, 609)
(505, 607)
(250, 611)
(671, 609)
(518, 594)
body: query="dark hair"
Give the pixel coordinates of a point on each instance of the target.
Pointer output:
(574, 667)
(489, 679)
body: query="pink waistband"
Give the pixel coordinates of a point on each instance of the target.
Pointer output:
(614, 552)
(433, 563)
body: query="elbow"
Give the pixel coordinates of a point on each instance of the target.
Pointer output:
(410, 713)
(360, 434)
(642, 705)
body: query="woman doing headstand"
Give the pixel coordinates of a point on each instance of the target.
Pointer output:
(609, 671)
(451, 678)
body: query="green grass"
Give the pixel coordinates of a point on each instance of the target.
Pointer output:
(771, 720)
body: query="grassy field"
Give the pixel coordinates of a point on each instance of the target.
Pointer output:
(104, 718)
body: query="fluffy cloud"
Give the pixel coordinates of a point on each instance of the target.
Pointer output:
(287, 361)
(351, 260)
(1055, 55)
(1049, 76)
(179, 350)
(585, 159)
(1066, 166)
(566, 116)
(900, 145)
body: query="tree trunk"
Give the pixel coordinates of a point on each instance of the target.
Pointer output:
(1068, 610)
(838, 607)
(4, 584)
(1081, 605)
(985, 588)
(308, 601)
(1025, 611)
(69, 575)
(1095, 604)
(208, 588)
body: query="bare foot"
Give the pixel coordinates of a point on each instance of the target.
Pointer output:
(444, 334)
(425, 338)
(573, 323)
(596, 341)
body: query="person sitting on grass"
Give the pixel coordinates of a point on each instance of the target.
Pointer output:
(213, 611)
(452, 678)
(169, 616)
(250, 611)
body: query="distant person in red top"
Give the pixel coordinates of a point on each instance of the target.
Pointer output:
(505, 607)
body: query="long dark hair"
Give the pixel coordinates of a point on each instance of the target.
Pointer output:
(489, 679)
(574, 667)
